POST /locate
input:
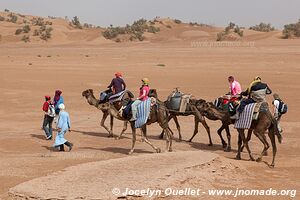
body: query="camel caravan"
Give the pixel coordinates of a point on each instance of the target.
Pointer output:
(246, 110)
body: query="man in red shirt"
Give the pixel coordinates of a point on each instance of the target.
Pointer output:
(49, 110)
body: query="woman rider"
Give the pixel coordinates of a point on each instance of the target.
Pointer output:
(144, 91)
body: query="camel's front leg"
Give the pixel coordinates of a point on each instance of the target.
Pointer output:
(228, 148)
(124, 129)
(178, 127)
(105, 115)
(133, 137)
(224, 144)
(263, 140)
(244, 139)
(111, 124)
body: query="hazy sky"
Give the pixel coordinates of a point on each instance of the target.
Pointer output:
(121, 12)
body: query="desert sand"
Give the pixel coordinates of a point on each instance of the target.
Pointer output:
(75, 60)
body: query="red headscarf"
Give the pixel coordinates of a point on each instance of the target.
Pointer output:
(57, 96)
(118, 74)
(47, 98)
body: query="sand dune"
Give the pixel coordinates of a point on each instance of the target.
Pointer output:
(64, 33)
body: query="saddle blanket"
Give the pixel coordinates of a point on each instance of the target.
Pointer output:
(245, 119)
(143, 112)
(117, 97)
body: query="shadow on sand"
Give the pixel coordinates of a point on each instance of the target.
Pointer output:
(41, 137)
(90, 133)
(117, 150)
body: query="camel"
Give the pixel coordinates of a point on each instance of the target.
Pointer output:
(158, 114)
(214, 115)
(88, 94)
(265, 122)
(190, 110)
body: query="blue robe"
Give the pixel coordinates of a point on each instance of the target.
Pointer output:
(60, 101)
(64, 124)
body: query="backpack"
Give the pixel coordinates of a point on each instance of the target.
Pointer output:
(51, 110)
(283, 108)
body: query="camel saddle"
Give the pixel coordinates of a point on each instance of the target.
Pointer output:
(178, 101)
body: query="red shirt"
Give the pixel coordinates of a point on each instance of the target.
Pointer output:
(46, 106)
(145, 89)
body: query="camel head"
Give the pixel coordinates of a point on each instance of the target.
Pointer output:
(87, 93)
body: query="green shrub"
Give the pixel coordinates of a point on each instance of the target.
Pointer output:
(26, 29)
(25, 38)
(153, 29)
(18, 31)
(193, 23)
(38, 21)
(6, 10)
(231, 26)
(291, 30)
(135, 31)
(13, 18)
(262, 27)
(76, 23)
(239, 31)
(46, 34)
(36, 32)
(177, 21)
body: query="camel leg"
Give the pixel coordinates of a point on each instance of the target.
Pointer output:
(242, 134)
(238, 155)
(224, 144)
(248, 138)
(271, 134)
(263, 139)
(123, 130)
(203, 122)
(111, 124)
(133, 137)
(228, 148)
(178, 127)
(105, 115)
(168, 140)
(145, 139)
(161, 136)
(195, 129)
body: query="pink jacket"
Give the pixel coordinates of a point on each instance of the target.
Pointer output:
(235, 88)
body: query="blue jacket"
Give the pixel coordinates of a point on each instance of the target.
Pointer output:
(60, 101)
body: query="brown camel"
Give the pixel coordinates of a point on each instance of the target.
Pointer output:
(158, 114)
(265, 122)
(88, 94)
(211, 112)
(190, 110)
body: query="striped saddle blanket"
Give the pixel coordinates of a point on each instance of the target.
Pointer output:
(250, 113)
(143, 112)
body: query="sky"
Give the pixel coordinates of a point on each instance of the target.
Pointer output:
(121, 12)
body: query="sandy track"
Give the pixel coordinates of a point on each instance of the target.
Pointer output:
(97, 179)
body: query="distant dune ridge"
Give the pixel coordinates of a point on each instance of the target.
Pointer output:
(18, 28)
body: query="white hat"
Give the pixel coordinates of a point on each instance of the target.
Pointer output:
(61, 106)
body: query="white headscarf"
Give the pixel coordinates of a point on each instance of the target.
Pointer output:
(61, 106)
